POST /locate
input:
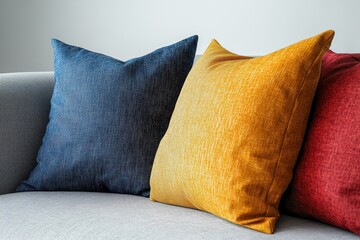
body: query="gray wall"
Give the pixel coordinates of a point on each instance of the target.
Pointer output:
(129, 28)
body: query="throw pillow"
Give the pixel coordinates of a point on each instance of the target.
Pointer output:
(107, 118)
(326, 184)
(236, 132)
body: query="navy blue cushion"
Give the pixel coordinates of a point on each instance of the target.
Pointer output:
(107, 118)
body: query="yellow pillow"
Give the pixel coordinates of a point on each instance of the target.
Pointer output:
(236, 132)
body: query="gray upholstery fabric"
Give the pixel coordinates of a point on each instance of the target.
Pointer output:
(24, 111)
(84, 215)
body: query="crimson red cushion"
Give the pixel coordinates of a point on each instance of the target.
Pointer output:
(326, 184)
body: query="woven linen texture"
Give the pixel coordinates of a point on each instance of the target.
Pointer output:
(107, 118)
(326, 183)
(236, 131)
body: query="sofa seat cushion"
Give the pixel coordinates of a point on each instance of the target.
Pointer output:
(85, 215)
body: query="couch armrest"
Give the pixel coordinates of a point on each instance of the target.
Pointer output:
(24, 113)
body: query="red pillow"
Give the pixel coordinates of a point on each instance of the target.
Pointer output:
(326, 184)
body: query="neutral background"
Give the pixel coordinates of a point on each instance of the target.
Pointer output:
(129, 28)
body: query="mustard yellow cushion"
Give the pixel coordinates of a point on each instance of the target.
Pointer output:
(236, 132)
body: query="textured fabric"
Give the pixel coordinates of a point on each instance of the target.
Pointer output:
(107, 118)
(236, 131)
(326, 183)
(24, 113)
(83, 215)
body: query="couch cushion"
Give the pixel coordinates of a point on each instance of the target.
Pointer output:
(326, 184)
(236, 132)
(107, 118)
(85, 215)
(25, 105)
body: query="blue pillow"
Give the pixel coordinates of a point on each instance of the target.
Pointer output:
(107, 118)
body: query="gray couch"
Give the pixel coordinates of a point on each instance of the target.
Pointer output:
(24, 109)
